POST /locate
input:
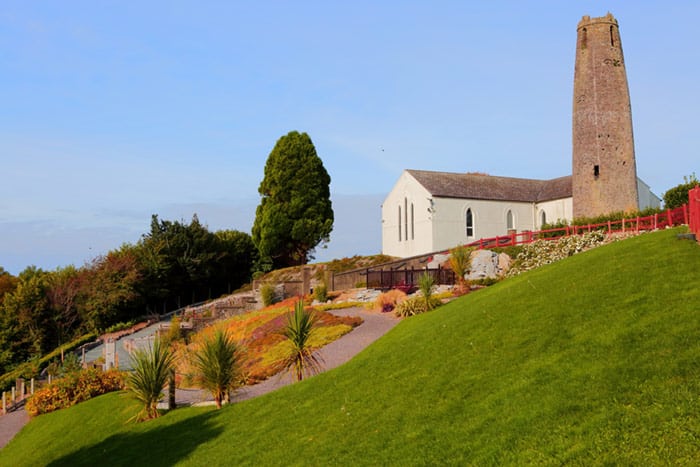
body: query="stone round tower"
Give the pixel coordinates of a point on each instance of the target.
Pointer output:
(604, 168)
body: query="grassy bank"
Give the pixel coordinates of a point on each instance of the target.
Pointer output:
(592, 360)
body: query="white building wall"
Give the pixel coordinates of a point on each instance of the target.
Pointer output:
(647, 199)
(416, 232)
(555, 210)
(449, 220)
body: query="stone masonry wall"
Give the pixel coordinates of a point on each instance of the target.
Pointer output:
(604, 168)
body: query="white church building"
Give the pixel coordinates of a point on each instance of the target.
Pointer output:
(433, 211)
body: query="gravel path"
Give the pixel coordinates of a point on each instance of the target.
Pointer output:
(10, 424)
(334, 354)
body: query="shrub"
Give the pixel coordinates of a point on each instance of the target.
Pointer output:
(119, 327)
(387, 301)
(174, 333)
(416, 305)
(267, 294)
(459, 261)
(678, 195)
(321, 293)
(74, 388)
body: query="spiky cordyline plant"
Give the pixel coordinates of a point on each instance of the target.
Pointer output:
(152, 367)
(426, 282)
(300, 357)
(218, 365)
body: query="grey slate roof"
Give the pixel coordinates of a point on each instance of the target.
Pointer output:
(487, 187)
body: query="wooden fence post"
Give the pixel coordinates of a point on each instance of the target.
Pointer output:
(656, 220)
(31, 391)
(14, 391)
(4, 403)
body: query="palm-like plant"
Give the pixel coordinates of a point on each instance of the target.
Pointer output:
(151, 369)
(300, 357)
(217, 362)
(426, 283)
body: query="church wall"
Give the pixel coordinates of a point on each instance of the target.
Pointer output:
(415, 229)
(489, 220)
(556, 210)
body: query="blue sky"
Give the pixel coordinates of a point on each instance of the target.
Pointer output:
(113, 111)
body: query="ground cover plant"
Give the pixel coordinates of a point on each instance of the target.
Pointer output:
(591, 360)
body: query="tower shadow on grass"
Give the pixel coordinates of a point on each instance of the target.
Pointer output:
(165, 445)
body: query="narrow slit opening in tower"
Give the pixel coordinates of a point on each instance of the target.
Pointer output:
(583, 38)
(612, 37)
(596, 171)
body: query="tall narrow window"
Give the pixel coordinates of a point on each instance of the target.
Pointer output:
(509, 220)
(584, 39)
(399, 223)
(543, 218)
(405, 218)
(413, 225)
(596, 171)
(612, 37)
(470, 223)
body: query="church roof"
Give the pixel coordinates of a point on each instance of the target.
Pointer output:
(488, 187)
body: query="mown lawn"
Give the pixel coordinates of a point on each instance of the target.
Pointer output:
(592, 360)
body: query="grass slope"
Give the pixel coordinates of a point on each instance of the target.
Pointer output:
(593, 360)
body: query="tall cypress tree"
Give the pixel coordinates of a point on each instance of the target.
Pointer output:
(295, 213)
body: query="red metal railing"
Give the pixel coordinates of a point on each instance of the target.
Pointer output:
(694, 211)
(667, 218)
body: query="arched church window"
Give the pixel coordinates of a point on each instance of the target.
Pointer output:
(509, 220)
(470, 223)
(413, 224)
(405, 220)
(399, 223)
(543, 218)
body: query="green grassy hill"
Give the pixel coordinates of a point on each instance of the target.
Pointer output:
(593, 360)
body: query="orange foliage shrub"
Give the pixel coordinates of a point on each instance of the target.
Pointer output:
(74, 388)
(388, 300)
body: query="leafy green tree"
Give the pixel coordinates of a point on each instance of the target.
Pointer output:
(152, 367)
(184, 263)
(678, 195)
(8, 283)
(217, 362)
(237, 256)
(300, 355)
(64, 287)
(295, 213)
(25, 319)
(110, 293)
